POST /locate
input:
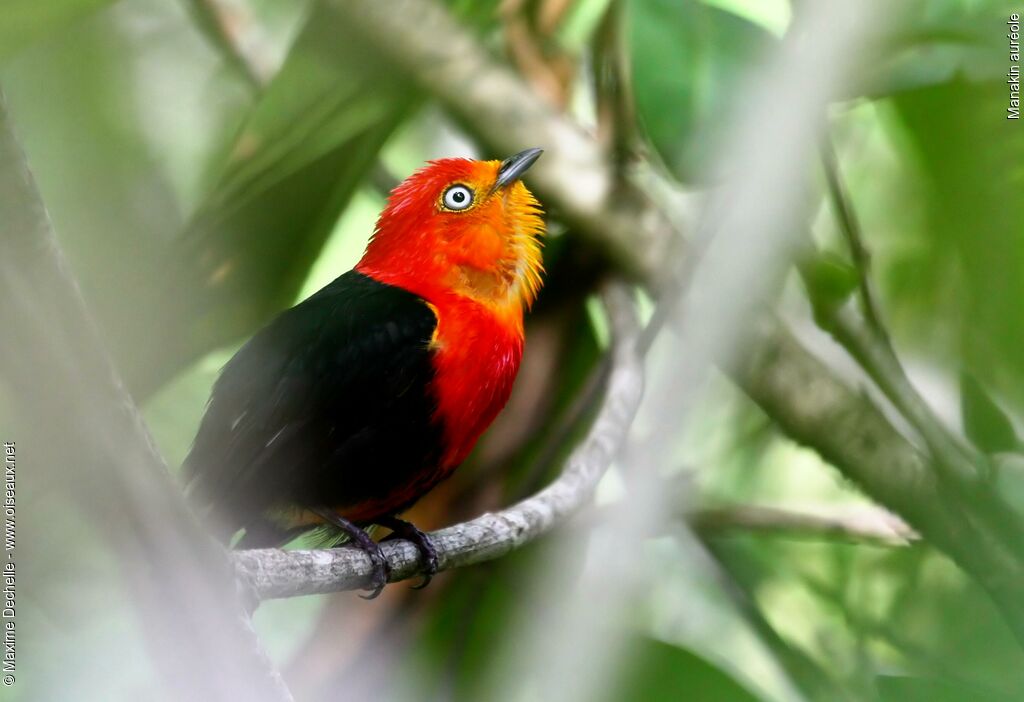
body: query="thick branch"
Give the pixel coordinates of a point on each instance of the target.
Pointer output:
(272, 573)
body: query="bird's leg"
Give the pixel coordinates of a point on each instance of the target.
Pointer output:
(401, 529)
(361, 540)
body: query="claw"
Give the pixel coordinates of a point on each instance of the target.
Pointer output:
(401, 529)
(381, 568)
(361, 540)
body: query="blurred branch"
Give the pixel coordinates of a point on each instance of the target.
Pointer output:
(530, 43)
(236, 36)
(272, 573)
(420, 39)
(860, 524)
(616, 113)
(89, 446)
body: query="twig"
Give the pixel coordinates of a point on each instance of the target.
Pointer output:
(614, 87)
(861, 524)
(273, 573)
(850, 226)
(867, 339)
(91, 448)
(236, 36)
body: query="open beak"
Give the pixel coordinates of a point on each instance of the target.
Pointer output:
(513, 167)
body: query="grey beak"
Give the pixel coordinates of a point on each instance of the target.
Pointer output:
(513, 167)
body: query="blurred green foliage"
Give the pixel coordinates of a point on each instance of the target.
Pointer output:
(193, 204)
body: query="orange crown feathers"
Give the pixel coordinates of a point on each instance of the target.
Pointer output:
(463, 227)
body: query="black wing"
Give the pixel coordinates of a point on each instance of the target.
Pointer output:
(329, 405)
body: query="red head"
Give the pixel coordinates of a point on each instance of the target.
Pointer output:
(462, 227)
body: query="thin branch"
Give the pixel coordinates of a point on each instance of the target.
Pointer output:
(863, 524)
(90, 448)
(850, 226)
(272, 573)
(613, 83)
(236, 36)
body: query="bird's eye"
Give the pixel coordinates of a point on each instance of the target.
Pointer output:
(457, 197)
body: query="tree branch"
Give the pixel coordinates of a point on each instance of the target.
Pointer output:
(233, 32)
(272, 573)
(613, 86)
(862, 524)
(850, 226)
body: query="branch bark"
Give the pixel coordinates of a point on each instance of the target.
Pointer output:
(273, 573)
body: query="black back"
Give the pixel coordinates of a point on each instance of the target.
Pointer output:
(328, 406)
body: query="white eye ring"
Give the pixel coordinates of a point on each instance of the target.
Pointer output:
(457, 197)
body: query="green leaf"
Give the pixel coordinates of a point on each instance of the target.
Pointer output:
(830, 281)
(689, 63)
(23, 22)
(661, 672)
(892, 688)
(947, 40)
(964, 265)
(985, 423)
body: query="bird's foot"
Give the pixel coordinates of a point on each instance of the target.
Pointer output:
(361, 540)
(401, 529)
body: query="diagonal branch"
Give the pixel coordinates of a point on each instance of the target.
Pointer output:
(424, 42)
(236, 36)
(272, 573)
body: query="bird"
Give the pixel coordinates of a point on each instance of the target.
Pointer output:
(344, 410)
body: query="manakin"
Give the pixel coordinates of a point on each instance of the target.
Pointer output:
(348, 407)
